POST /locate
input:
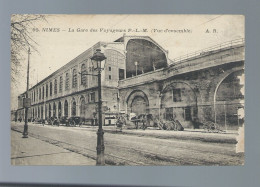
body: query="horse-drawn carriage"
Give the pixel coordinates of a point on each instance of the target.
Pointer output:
(53, 121)
(211, 126)
(140, 119)
(72, 121)
(147, 120)
(76, 121)
(169, 125)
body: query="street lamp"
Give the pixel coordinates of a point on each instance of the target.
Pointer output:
(26, 100)
(96, 59)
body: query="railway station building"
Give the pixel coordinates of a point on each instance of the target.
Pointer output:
(138, 77)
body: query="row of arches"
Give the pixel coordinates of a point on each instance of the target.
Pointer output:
(66, 108)
(59, 84)
(176, 99)
(183, 101)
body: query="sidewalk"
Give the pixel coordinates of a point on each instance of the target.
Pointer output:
(32, 151)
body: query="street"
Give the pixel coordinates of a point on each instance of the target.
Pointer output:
(50, 145)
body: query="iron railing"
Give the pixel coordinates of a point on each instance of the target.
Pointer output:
(208, 50)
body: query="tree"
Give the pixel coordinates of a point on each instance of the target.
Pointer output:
(22, 28)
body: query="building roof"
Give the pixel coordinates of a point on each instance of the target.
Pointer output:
(121, 39)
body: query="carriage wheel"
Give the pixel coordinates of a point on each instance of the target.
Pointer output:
(72, 123)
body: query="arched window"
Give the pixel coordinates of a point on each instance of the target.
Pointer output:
(67, 81)
(66, 107)
(83, 74)
(54, 110)
(38, 113)
(43, 92)
(82, 107)
(61, 84)
(74, 78)
(40, 94)
(55, 86)
(49, 110)
(42, 112)
(47, 90)
(73, 108)
(59, 109)
(148, 55)
(46, 111)
(50, 88)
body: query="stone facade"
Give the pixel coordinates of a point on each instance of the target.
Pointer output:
(188, 91)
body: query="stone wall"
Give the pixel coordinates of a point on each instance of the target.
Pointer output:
(197, 90)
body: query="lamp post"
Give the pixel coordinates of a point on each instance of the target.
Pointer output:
(97, 58)
(26, 100)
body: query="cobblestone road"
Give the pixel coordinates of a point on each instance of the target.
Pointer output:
(77, 146)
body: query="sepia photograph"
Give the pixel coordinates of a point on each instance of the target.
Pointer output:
(127, 90)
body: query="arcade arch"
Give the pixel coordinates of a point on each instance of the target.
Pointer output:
(179, 101)
(138, 103)
(54, 109)
(66, 108)
(82, 107)
(49, 110)
(229, 99)
(59, 109)
(73, 107)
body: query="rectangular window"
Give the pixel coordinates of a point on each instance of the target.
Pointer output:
(121, 73)
(40, 96)
(109, 68)
(92, 97)
(61, 84)
(67, 81)
(169, 114)
(187, 113)
(50, 88)
(176, 95)
(109, 77)
(74, 79)
(195, 111)
(84, 78)
(47, 90)
(55, 86)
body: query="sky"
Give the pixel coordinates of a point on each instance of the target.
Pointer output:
(58, 48)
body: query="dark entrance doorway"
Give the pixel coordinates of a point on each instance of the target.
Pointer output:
(139, 105)
(54, 110)
(49, 110)
(73, 109)
(59, 109)
(66, 107)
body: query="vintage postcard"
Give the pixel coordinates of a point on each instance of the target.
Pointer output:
(127, 90)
